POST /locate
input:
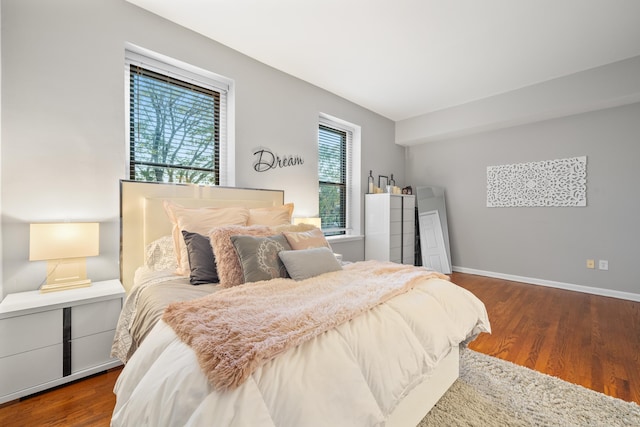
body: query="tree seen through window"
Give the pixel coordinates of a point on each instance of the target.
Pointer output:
(174, 129)
(332, 177)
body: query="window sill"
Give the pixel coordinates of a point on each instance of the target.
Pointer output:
(345, 238)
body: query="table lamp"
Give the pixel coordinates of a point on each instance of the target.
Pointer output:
(65, 247)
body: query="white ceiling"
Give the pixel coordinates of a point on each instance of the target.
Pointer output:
(403, 58)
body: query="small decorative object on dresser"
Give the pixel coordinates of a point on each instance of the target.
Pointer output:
(383, 181)
(407, 190)
(54, 338)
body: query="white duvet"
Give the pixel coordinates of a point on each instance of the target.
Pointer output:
(353, 375)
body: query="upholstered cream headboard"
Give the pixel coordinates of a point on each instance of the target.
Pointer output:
(143, 219)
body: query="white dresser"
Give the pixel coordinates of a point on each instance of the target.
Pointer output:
(390, 227)
(48, 339)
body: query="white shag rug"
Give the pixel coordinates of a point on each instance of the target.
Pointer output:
(493, 392)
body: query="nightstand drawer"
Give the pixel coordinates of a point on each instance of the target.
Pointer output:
(41, 332)
(89, 319)
(24, 333)
(30, 369)
(91, 351)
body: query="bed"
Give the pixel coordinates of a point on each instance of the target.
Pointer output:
(385, 364)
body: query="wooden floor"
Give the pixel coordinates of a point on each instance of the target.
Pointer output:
(585, 339)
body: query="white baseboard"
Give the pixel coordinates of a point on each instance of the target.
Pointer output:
(552, 284)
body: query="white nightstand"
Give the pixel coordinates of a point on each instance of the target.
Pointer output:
(48, 339)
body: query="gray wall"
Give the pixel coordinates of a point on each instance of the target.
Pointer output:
(544, 243)
(63, 122)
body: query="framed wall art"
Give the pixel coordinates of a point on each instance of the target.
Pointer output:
(560, 182)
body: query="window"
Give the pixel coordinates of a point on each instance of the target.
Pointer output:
(332, 176)
(177, 124)
(335, 176)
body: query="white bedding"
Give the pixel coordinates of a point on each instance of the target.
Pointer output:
(144, 278)
(353, 375)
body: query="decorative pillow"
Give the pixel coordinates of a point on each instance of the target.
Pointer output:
(160, 254)
(307, 239)
(306, 263)
(259, 256)
(277, 229)
(201, 260)
(227, 261)
(201, 221)
(271, 216)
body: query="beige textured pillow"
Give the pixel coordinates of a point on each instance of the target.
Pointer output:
(306, 239)
(201, 221)
(227, 262)
(292, 227)
(271, 216)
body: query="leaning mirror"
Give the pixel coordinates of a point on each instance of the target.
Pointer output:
(433, 229)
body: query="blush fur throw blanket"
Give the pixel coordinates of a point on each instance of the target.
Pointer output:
(236, 330)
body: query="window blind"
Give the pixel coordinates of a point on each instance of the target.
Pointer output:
(177, 124)
(334, 176)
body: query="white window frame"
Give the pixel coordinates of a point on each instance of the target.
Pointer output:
(136, 55)
(354, 198)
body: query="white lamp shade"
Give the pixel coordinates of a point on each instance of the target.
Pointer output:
(63, 240)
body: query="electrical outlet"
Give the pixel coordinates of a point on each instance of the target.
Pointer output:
(591, 263)
(603, 264)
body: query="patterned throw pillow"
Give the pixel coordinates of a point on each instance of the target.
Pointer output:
(259, 256)
(307, 239)
(160, 254)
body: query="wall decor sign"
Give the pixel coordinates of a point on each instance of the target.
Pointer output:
(266, 160)
(560, 182)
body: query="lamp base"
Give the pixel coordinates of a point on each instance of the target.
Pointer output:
(53, 287)
(68, 273)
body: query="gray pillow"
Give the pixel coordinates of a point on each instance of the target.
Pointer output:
(201, 259)
(306, 263)
(259, 256)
